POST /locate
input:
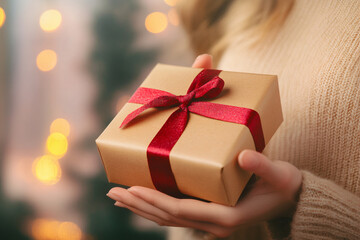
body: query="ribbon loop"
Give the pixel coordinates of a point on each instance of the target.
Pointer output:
(210, 89)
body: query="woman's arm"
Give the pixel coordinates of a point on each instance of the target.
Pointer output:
(324, 209)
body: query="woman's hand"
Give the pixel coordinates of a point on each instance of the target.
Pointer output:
(272, 196)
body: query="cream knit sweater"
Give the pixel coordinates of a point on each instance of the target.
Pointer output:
(316, 56)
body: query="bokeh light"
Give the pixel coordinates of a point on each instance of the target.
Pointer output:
(48, 229)
(50, 20)
(156, 22)
(2, 17)
(60, 125)
(46, 60)
(42, 229)
(171, 3)
(57, 144)
(47, 169)
(69, 231)
(173, 17)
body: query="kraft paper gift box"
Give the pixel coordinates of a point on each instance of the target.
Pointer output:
(203, 161)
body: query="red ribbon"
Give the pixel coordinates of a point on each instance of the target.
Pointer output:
(206, 85)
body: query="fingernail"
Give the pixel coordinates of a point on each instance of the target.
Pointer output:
(112, 195)
(197, 59)
(203, 55)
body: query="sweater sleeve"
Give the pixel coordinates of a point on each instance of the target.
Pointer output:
(324, 209)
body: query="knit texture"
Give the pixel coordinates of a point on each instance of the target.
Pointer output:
(316, 55)
(327, 210)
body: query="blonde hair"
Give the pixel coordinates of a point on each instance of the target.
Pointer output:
(212, 24)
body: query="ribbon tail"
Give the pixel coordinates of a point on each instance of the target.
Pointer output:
(239, 115)
(158, 153)
(144, 95)
(133, 115)
(161, 101)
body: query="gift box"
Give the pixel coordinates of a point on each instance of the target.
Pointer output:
(185, 141)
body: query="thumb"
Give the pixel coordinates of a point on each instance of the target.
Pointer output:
(203, 61)
(272, 172)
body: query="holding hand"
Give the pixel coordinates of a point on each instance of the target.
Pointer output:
(274, 195)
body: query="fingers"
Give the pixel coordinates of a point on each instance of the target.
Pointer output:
(187, 208)
(142, 208)
(173, 222)
(123, 196)
(276, 173)
(203, 61)
(159, 221)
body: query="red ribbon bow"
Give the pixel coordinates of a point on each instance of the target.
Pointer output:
(206, 85)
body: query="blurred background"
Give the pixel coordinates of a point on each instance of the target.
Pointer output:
(66, 68)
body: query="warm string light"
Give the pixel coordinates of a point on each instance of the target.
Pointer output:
(2, 17)
(60, 125)
(156, 22)
(46, 60)
(50, 20)
(57, 144)
(47, 168)
(54, 230)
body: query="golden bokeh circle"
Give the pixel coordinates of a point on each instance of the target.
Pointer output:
(60, 125)
(57, 144)
(156, 22)
(47, 169)
(69, 231)
(50, 20)
(2, 17)
(46, 60)
(44, 229)
(49, 229)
